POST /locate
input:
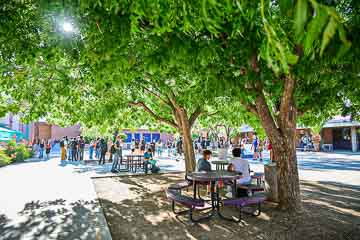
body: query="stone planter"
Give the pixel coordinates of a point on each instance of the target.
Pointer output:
(271, 184)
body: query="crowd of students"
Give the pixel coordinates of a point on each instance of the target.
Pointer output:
(39, 147)
(72, 149)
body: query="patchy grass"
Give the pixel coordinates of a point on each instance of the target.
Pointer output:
(136, 208)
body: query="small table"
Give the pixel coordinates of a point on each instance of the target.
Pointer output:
(133, 162)
(220, 164)
(212, 178)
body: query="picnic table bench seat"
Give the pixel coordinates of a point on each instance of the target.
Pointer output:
(252, 187)
(180, 185)
(189, 202)
(244, 202)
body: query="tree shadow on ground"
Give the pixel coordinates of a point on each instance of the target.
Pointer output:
(53, 220)
(136, 208)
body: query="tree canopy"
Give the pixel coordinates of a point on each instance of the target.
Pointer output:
(281, 60)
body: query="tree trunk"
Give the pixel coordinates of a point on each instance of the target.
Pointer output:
(185, 130)
(282, 138)
(287, 175)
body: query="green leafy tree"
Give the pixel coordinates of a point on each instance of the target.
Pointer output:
(280, 59)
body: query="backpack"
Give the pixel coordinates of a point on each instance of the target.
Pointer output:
(112, 149)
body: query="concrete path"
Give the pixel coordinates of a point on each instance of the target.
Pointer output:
(44, 200)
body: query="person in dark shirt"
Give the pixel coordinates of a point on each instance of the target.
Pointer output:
(81, 148)
(74, 147)
(203, 163)
(103, 150)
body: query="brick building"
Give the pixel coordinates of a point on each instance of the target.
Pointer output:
(44, 130)
(342, 133)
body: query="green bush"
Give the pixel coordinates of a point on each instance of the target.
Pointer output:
(17, 152)
(4, 158)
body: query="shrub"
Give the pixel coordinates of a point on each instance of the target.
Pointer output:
(17, 152)
(4, 158)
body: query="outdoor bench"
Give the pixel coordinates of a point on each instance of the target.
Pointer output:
(181, 185)
(189, 202)
(244, 202)
(252, 188)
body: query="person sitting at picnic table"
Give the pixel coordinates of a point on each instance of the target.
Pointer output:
(240, 165)
(147, 158)
(203, 163)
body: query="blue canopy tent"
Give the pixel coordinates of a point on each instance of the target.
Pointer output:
(7, 134)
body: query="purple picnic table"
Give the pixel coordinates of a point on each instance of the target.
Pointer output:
(213, 178)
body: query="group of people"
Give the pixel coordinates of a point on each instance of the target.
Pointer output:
(39, 147)
(72, 149)
(257, 147)
(237, 164)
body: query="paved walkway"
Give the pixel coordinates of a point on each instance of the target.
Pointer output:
(46, 200)
(43, 200)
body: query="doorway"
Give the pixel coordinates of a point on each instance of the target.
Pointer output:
(342, 138)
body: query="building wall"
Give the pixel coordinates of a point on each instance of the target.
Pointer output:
(58, 132)
(43, 130)
(327, 136)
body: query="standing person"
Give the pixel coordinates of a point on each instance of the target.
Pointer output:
(48, 149)
(179, 146)
(81, 148)
(169, 145)
(254, 147)
(97, 148)
(118, 154)
(103, 150)
(91, 149)
(159, 148)
(137, 146)
(77, 147)
(74, 148)
(271, 152)
(153, 147)
(142, 146)
(111, 147)
(69, 149)
(132, 146)
(62, 149)
(41, 149)
(260, 149)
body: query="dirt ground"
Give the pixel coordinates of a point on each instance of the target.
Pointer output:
(136, 208)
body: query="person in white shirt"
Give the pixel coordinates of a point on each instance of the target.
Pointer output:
(239, 165)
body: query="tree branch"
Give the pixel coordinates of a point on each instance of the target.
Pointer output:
(153, 114)
(157, 95)
(250, 107)
(195, 115)
(287, 108)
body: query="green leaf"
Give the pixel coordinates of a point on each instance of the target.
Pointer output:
(315, 28)
(301, 11)
(286, 6)
(328, 34)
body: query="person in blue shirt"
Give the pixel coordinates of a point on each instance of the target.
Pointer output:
(147, 158)
(203, 163)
